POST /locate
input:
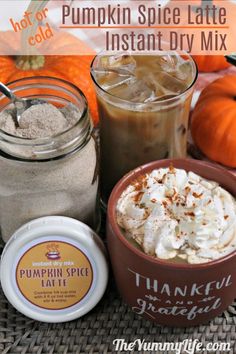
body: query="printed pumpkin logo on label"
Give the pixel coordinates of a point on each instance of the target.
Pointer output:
(54, 275)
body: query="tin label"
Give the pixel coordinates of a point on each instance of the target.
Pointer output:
(54, 275)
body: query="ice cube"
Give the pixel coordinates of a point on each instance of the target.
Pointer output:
(114, 70)
(151, 80)
(161, 98)
(176, 65)
(122, 61)
(134, 91)
(125, 62)
(170, 84)
(185, 71)
(111, 78)
(167, 63)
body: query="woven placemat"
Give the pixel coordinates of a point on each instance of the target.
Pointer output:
(95, 332)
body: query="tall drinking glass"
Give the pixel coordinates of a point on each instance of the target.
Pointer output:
(144, 103)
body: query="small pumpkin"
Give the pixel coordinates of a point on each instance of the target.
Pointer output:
(210, 63)
(205, 63)
(73, 68)
(213, 123)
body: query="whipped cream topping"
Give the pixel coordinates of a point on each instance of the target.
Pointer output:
(172, 213)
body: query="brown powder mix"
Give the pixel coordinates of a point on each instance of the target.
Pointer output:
(39, 121)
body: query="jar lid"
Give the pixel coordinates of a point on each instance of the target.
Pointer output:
(54, 269)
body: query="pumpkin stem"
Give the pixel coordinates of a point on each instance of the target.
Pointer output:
(30, 62)
(204, 5)
(231, 59)
(206, 2)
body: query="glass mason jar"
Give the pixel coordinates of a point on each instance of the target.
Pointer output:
(49, 176)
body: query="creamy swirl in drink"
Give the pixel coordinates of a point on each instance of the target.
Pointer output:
(177, 215)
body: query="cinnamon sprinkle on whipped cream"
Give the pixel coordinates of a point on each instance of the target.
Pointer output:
(172, 213)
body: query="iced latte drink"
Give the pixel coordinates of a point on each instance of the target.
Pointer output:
(144, 103)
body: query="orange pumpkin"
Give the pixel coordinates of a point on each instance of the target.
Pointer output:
(209, 63)
(213, 124)
(73, 68)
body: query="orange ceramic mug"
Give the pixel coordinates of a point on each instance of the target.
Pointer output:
(170, 293)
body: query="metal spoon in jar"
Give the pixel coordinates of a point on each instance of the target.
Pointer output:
(21, 104)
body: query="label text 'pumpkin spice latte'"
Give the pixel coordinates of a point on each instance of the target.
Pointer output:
(54, 275)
